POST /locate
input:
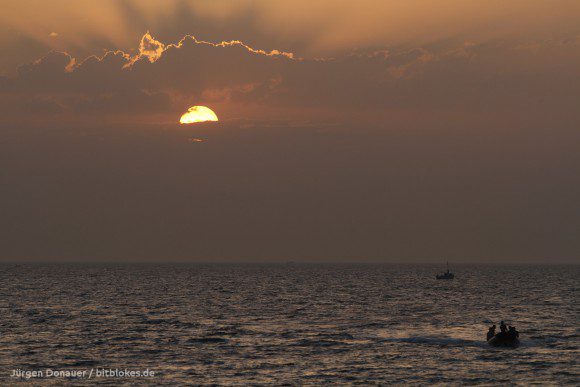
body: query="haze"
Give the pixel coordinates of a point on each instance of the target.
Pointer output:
(369, 131)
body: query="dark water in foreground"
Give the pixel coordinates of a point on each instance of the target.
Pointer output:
(306, 324)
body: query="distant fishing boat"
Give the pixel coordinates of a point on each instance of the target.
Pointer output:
(446, 275)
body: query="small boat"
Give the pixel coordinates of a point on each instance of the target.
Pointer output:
(504, 339)
(445, 275)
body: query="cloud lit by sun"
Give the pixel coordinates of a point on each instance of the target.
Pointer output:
(198, 114)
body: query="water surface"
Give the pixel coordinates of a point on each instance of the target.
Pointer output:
(309, 324)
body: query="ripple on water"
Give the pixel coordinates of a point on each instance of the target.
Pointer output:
(274, 324)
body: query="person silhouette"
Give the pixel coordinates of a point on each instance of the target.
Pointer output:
(513, 332)
(491, 332)
(502, 327)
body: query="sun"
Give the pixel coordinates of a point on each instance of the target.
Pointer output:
(198, 114)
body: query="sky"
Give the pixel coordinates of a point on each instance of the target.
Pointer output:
(368, 131)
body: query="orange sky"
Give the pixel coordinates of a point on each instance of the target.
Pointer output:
(28, 28)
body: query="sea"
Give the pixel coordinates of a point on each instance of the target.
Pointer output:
(285, 324)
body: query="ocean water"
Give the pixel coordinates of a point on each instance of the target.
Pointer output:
(287, 324)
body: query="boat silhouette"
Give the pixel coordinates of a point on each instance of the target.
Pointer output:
(504, 339)
(447, 275)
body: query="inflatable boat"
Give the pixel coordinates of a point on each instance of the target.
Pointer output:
(504, 340)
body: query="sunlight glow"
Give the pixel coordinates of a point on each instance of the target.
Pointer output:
(198, 114)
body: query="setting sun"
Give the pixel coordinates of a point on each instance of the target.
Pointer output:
(198, 114)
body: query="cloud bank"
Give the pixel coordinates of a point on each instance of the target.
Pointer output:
(163, 78)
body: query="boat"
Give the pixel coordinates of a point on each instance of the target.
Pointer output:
(447, 275)
(504, 339)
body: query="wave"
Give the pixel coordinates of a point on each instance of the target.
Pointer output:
(208, 340)
(318, 343)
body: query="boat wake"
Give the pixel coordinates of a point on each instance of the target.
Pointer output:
(436, 341)
(529, 342)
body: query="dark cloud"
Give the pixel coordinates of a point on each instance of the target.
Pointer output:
(469, 77)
